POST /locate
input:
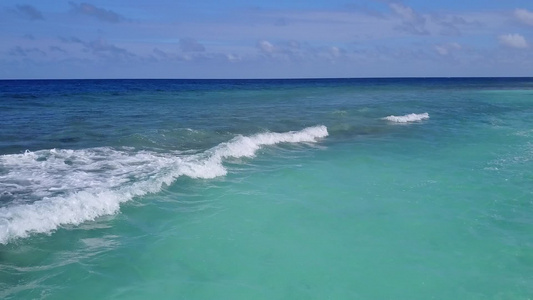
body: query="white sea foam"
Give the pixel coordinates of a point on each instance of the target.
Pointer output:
(55, 187)
(407, 118)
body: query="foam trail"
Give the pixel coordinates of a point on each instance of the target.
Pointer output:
(55, 187)
(407, 118)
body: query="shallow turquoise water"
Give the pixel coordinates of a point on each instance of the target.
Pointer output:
(430, 208)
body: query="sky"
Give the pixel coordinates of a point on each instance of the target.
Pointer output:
(265, 39)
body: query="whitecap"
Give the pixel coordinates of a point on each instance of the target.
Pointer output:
(407, 118)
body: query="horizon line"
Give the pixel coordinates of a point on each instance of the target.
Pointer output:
(279, 78)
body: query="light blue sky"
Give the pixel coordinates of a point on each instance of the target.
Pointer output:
(265, 39)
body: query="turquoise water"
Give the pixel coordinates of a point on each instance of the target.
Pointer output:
(270, 189)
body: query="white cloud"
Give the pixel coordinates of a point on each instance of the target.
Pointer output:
(266, 47)
(335, 51)
(524, 16)
(233, 58)
(405, 12)
(513, 40)
(412, 22)
(441, 50)
(446, 49)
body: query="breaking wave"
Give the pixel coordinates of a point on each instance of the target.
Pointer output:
(49, 188)
(407, 118)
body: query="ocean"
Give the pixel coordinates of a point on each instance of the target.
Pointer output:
(267, 189)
